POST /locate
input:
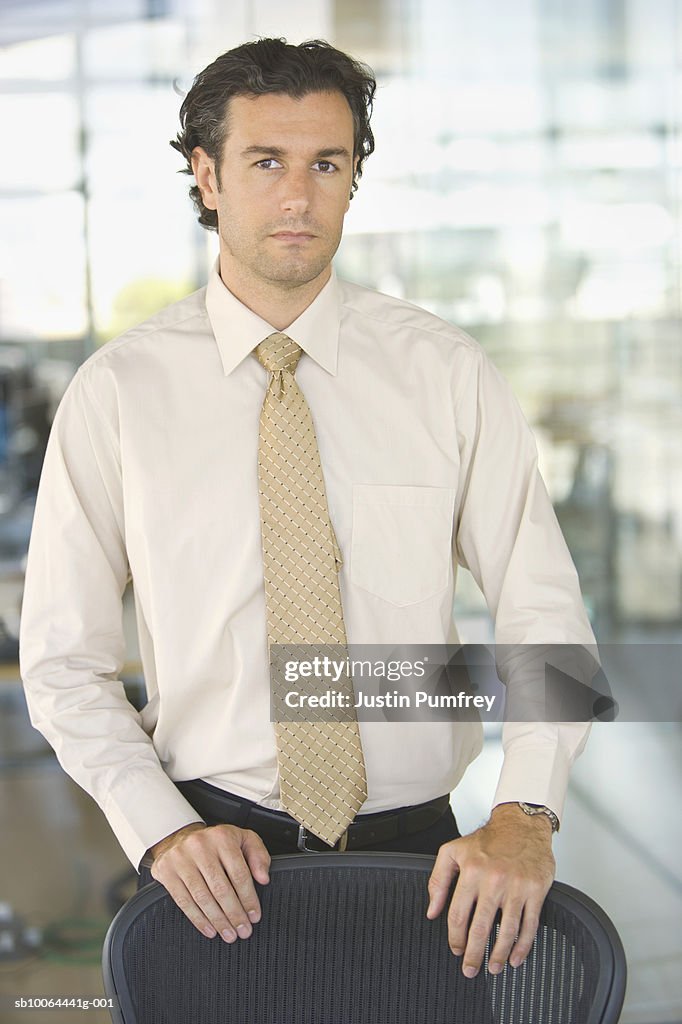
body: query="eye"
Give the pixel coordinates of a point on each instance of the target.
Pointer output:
(268, 164)
(325, 166)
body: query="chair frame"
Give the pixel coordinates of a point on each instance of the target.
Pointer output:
(607, 1002)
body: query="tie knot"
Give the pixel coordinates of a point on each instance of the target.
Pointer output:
(278, 352)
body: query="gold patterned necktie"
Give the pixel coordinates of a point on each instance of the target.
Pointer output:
(322, 769)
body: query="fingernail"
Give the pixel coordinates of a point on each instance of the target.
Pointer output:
(494, 968)
(228, 935)
(243, 931)
(470, 972)
(456, 951)
(254, 916)
(209, 932)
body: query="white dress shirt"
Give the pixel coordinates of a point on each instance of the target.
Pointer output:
(151, 472)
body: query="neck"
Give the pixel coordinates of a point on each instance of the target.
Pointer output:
(277, 304)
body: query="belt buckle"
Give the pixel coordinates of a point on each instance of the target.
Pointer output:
(339, 845)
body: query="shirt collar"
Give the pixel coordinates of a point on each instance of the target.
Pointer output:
(238, 330)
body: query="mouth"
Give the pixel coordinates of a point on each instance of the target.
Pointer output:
(293, 236)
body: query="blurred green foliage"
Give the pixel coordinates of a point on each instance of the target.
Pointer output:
(140, 299)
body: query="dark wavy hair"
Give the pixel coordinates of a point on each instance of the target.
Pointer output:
(270, 66)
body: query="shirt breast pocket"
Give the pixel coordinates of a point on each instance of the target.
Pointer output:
(401, 541)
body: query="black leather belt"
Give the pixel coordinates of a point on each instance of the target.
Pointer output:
(218, 807)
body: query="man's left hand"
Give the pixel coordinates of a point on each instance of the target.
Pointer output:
(507, 863)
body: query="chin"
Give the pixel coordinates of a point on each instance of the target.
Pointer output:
(293, 273)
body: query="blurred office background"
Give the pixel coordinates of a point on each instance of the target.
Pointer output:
(526, 185)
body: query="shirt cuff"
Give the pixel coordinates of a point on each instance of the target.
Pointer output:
(536, 769)
(145, 808)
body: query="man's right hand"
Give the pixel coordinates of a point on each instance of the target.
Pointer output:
(209, 872)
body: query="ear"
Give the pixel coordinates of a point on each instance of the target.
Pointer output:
(203, 167)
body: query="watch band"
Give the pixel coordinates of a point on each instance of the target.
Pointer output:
(540, 809)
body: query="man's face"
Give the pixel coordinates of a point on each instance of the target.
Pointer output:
(286, 175)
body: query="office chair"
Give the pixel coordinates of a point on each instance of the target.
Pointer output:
(344, 939)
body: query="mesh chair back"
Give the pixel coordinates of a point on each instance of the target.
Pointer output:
(344, 939)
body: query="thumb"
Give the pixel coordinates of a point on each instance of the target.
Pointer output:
(444, 871)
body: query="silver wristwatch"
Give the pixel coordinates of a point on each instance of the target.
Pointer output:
(540, 809)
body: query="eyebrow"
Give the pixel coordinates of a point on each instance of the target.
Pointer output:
(276, 151)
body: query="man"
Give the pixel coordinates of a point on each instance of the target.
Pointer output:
(162, 466)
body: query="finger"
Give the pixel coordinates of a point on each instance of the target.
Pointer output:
(218, 902)
(234, 888)
(508, 931)
(239, 870)
(444, 871)
(256, 855)
(459, 917)
(477, 939)
(187, 903)
(529, 927)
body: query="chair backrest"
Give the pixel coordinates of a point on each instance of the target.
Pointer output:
(344, 939)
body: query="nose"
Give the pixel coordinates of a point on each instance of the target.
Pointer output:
(295, 195)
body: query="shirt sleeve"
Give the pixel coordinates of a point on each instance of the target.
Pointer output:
(508, 536)
(71, 639)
